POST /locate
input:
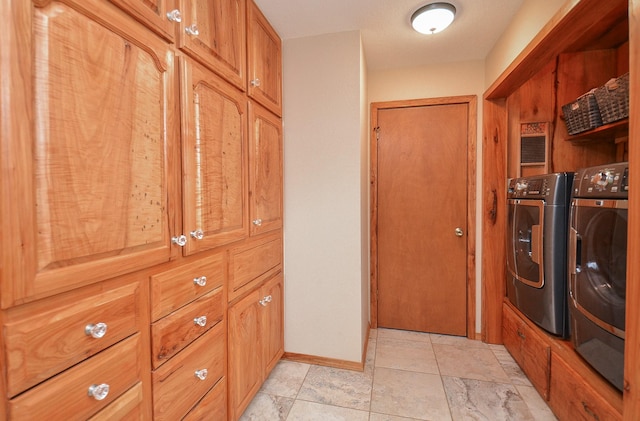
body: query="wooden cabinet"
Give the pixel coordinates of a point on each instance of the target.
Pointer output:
(574, 398)
(214, 155)
(214, 33)
(264, 61)
(155, 14)
(252, 263)
(530, 349)
(129, 406)
(255, 342)
(86, 182)
(265, 170)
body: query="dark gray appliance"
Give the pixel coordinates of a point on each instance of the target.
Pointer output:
(538, 209)
(597, 267)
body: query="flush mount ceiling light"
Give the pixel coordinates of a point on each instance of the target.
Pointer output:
(433, 18)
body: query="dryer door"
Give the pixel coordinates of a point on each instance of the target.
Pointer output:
(598, 259)
(525, 228)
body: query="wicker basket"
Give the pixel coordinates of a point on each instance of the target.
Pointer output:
(582, 114)
(613, 99)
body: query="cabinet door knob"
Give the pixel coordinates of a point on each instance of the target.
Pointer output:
(174, 15)
(201, 374)
(192, 30)
(255, 82)
(265, 300)
(200, 321)
(459, 232)
(98, 391)
(257, 222)
(180, 240)
(97, 330)
(197, 234)
(200, 281)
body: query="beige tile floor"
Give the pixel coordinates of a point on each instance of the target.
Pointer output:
(407, 376)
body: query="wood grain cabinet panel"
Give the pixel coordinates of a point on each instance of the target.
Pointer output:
(256, 342)
(172, 333)
(265, 170)
(253, 262)
(214, 33)
(155, 14)
(264, 60)
(528, 348)
(176, 287)
(213, 407)
(44, 339)
(177, 386)
(573, 398)
(129, 407)
(66, 396)
(88, 198)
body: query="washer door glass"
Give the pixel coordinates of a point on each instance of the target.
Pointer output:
(525, 241)
(601, 259)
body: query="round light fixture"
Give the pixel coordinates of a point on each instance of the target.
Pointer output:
(433, 18)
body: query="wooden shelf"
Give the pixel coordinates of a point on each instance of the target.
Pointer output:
(610, 131)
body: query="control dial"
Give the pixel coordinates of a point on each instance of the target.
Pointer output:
(521, 185)
(602, 178)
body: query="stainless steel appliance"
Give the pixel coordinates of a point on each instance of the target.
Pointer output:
(538, 209)
(597, 267)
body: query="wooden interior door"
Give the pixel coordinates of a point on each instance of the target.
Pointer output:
(422, 218)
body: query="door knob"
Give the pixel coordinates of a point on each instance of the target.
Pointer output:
(459, 232)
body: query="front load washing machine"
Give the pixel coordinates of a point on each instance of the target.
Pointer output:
(597, 267)
(538, 209)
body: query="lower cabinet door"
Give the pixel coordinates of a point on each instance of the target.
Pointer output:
(273, 332)
(245, 359)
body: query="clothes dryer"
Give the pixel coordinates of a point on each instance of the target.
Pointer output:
(538, 209)
(598, 265)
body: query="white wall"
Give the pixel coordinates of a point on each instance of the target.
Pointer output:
(532, 16)
(324, 242)
(448, 79)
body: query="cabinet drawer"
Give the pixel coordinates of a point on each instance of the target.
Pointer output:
(174, 288)
(530, 349)
(253, 263)
(66, 397)
(213, 407)
(176, 388)
(173, 332)
(127, 407)
(572, 397)
(44, 339)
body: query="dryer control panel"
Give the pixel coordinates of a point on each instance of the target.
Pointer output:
(607, 182)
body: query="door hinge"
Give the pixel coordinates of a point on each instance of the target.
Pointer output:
(377, 130)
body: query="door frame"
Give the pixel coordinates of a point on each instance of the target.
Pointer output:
(471, 101)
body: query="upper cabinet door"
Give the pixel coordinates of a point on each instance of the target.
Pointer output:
(159, 15)
(214, 154)
(85, 167)
(265, 170)
(264, 56)
(214, 33)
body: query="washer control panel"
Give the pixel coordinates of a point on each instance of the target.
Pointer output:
(607, 181)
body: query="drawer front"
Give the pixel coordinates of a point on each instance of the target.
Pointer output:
(252, 264)
(176, 388)
(66, 396)
(127, 407)
(54, 338)
(572, 398)
(174, 288)
(213, 407)
(175, 331)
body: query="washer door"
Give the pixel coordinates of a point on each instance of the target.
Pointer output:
(598, 261)
(525, 228)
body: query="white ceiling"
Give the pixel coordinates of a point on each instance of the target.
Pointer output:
(388, 39)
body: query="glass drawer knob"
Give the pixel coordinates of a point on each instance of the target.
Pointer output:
(255, 82)
(257, 222)
(200, 281)
(197, 234)
(180, 240)
(200, 321)
(192, 30)
(201, 374)
(98, 391)
(174, 16)
(97, 330)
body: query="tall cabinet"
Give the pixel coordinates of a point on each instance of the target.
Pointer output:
(141, 212)
(585, 44)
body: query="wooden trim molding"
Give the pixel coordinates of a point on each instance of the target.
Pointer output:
(471, 162)
(323, 361)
